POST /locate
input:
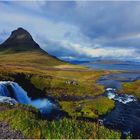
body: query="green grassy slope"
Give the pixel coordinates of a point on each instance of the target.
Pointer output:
(29, 59)
(26, 120)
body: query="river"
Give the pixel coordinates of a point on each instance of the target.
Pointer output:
(126, 114)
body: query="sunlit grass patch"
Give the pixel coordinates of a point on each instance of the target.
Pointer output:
(131, 88)
(88, 108)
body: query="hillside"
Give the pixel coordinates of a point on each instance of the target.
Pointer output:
(21, 49)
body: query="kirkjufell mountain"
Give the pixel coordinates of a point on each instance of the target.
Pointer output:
(20, 48)
(20, 40)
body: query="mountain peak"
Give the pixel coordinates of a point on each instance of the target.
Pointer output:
(21, 34)
(21, 29)
(20, 40)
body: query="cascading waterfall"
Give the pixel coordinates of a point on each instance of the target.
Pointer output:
(3, 89)
(12, 93)
(20, 94)
(13, 90)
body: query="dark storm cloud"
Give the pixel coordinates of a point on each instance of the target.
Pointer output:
(99, 20)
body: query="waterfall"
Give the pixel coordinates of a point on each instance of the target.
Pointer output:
(13, 90)
(12, 93)
(3, 89)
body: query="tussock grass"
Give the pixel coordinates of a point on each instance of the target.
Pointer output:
(27, 121)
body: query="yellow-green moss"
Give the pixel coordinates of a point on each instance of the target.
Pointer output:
(131, 88)
(88, 108)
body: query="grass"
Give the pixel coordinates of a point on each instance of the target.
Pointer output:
(35, 59)
(131, 88)
(20, 118)
(59, 87)
(57, 82)
(88, 108)
(27, 121)
(29, 59)
(56, 79)
(72, 129)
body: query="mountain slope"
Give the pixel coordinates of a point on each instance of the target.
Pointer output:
(21, 49)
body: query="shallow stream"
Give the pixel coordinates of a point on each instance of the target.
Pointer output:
(126, 114)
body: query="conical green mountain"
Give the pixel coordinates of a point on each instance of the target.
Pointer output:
(20, 48)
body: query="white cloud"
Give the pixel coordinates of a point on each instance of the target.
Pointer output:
(68, 58)
(101, 51)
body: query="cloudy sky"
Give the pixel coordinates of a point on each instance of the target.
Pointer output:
(78, 30)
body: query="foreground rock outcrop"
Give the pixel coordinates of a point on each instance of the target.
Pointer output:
(6, 132)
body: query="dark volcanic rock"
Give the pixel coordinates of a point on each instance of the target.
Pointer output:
(7, 133)
(20, 35)
(20, 40)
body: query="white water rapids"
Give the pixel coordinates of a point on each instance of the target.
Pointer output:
(122, 98)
